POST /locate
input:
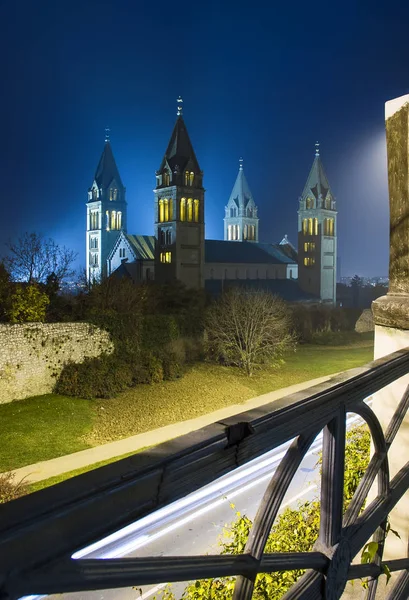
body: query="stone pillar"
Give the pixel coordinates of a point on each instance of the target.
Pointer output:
(391, 312)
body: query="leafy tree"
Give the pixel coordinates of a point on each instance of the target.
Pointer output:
(34, 259)
(295, 530)
(248, 328)
(27, 304)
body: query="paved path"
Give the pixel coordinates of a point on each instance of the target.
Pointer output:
(63, 464)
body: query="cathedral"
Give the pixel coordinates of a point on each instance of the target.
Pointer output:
(179, 250)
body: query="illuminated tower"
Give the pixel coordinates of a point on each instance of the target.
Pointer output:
(241, 221)
(179, 211)
(106, 213)
(317, 235)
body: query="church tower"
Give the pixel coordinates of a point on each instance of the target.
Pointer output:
(179, 211)
(317, 235)
(106, 213)
(241, 221)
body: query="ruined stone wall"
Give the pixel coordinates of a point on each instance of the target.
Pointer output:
(32, 355)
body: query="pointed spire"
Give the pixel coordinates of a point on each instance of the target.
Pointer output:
(241, 193)
(107, 132)
(180, 106)
(107, 171)
(317, 182)
(180, 150)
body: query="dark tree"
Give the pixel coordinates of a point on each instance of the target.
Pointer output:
(34, 259)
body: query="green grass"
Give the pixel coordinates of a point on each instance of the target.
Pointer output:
(49, 426)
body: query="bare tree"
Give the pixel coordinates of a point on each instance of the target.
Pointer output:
(248, 328)
(33, 258)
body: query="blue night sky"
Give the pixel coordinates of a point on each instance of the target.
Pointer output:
(262, 80)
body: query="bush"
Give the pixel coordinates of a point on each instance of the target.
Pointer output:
(9, 490)
(27, 304)
(102, 377)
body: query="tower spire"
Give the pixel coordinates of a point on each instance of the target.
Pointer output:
(107, 132)
(240, 163)
(317, 148)
(180, 106)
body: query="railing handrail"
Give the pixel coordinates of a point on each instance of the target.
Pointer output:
(55, 522)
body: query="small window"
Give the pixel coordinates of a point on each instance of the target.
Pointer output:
(162, 237)
(186, 177)
(183, 209)
(165, 257)
(168, 237)
(191, 178)
(166, 178)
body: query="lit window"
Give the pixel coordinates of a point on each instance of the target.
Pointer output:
(309, 226)
(190, 210)
(161, 211)
(196, 211)
(186, 177)
(94, 219)
(113, 194)
(315, 226)
(191, 178)
(166, 257)
(305, 226)
(183, 209)
(95, 194)
(309, 203)
(166, 178)
(118, 220)
(328, 202)
(107, 220)
(165, 210)
(309, 261)
(245, 232)
(113, 219)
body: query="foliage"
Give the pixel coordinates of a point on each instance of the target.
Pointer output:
(34, 259)
(27, 304)
(295, 530)
(248, 328)
(9, 490)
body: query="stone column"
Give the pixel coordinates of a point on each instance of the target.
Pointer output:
(391, 312)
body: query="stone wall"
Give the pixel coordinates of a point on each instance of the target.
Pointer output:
(32, 355)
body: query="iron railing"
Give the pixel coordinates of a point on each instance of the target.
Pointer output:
(39, 533)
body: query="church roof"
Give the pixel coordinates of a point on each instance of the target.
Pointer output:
(288, 249)
(288, 289)
(218, 251)
(143, 246)
(241, 193)
(317, 182)
(107, 171)
(180, 150)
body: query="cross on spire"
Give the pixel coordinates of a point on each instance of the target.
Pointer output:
(317, 148)
(107, 131)
(240, 163)
(180, 106)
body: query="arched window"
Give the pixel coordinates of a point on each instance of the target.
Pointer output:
(237, 232)
(191, 178)
(245, 232)
(170, 209)
(113, 219)
(161, 211)
(190, 210)
(107, 220)
(165, 209)
(315, 226)
(168, 237)
(186, 177)
(94, 218)
(95, 194)
(196, 211)
(305, 226)
(162, 237)
(309, 203)
(166, 178)
(118, 220)
(183, 209)
(253, 232)
(309, 226)
(327, 202)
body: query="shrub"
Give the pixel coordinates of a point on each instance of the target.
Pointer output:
(102, 377)
(9, 490)
(158, 331)
(27, 304)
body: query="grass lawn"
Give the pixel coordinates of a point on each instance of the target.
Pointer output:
(45, 427)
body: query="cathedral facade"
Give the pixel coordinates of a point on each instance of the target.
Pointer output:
(178, 249)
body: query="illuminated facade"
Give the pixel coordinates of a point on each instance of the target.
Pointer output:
(241, 220)
(179, 212)
(106, 214)
(317, 235)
